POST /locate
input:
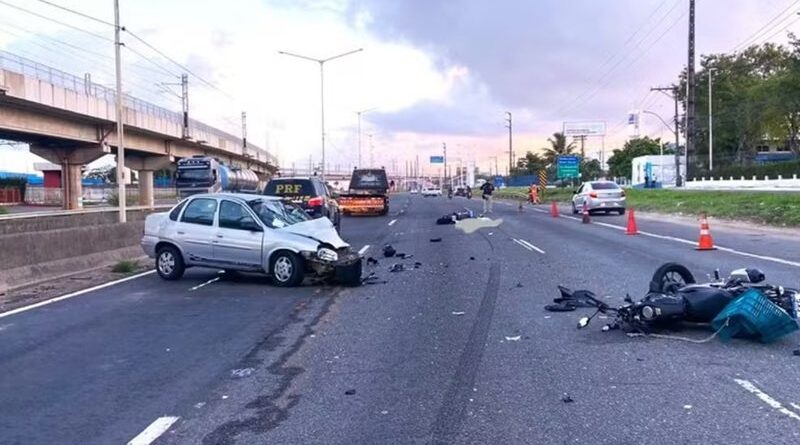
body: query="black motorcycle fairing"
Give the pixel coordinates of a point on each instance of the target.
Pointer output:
(704, 302)
(664, 307)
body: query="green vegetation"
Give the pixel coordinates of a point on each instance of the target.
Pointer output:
(777, 209)
(125, 266)
(3, 210)
(620, 163)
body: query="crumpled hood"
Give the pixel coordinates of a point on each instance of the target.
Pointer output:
(320, 229)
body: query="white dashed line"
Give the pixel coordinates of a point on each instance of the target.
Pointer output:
(363, 249)
(154, 431)
(74, 294)
(766, 398)
(205, 284)
(391, 223)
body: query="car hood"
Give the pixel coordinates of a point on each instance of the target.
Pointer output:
(320, 229)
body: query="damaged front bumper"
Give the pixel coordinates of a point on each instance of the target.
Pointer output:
(345, 270)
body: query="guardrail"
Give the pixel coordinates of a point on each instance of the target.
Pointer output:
(30, 68)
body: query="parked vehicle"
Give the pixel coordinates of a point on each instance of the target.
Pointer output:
(431, 191)
(242, 232)
(309, 193)
(204, 174)
(603, 196)
(674, 297)
(368, 193)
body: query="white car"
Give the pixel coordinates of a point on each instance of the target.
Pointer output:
(252, 233)
(431, 191)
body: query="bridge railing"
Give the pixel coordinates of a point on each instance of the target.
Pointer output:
(36, 70)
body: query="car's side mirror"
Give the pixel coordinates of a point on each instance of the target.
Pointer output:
(248, 224)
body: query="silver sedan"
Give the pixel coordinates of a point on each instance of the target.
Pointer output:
(604, 196)
(252, 233)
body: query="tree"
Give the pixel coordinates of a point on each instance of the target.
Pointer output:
(591, 169)
(529, 165)
(558, 147)
(621, 162)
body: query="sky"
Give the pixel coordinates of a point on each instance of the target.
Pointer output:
(429, 73)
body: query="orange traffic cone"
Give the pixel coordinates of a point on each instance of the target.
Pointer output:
(705, 242)
(586, 219)
(554, 210)
(631, 229)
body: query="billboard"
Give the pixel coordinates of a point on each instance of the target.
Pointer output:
(586, 128)
(437, 159)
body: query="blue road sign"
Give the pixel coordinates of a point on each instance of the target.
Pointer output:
(437, 159)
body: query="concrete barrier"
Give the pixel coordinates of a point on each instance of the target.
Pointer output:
(33, 250)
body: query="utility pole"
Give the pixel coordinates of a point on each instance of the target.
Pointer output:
(710, 119)
(244, 133)
(123, 216)
(185, 104)
(674, 91)
(510, 142)
(444, 148)
(691, 140)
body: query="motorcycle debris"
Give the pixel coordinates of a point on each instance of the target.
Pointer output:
(397, 267)
(520, 285)
(388, 251)
(687, 406)
(436, 240)
(417, 265)
(796, 353)
(567, 399)
(404, 256)
(472, 258)
(517, 338)
(372, 261)
(350, 392)
(445, 220)
(458, 313)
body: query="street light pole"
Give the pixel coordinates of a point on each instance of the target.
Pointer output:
(321, 63)
(120, 126)
(710, 120)
(359, 113)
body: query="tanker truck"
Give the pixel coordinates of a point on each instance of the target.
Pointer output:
(204, 174)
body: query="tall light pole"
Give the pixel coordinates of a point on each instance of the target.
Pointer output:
(510, 146)
(359, 113)
(321, 90)
(120, 130)
(710, 119)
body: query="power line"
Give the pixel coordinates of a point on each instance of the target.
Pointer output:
(19, 8)
(87, 16)
(753, 37)
(780, 30)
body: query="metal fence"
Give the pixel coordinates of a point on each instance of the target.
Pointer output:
(36, 70)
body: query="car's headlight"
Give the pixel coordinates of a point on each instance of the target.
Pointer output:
(326, 254)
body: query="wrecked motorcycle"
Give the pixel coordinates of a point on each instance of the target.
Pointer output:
(674, 297)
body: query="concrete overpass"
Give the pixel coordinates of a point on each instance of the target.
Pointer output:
(71, 121)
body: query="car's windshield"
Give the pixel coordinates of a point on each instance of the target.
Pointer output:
(193, 174)
(278, 213)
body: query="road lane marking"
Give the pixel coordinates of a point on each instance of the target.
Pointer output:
(391, 223)
(74, 294)
(766, 398)
(154, 431)
(693, 243)
(532, 246)
(363, 249)
(205, 284)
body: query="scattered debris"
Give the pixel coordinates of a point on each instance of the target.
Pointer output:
(445, 220)
(388, 251)
(404, 256)
(417, 265)
(397, 267)
(567, 399)
(242, 372)
(687, 406)
(384, 412)
(472, 258)
(639, 359)
(199, 405)
(224, 397)
(436, 240)
(796, 353)
(372, 261)
(350, 392)
(517, 338)
(458, 313)
(490, 233)
(519, 284)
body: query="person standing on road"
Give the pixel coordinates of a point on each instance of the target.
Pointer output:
(487, 189)
(534, 193)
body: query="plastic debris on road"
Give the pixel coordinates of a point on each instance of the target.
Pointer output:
(516, 338)
(567, 399)
(458, 313)
(350, 392)
(436, 240)
(397, 267)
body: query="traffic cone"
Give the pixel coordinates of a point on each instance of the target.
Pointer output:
(554, 210)
(586, 219)
(631, 229)
(705, 242)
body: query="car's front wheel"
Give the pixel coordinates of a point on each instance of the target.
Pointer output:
(169, 263)
(286, 269)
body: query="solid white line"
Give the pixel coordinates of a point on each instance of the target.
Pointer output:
(154, 431)
(391, 223)
(363, 249)
(766, 398)
(74, 294)
(521, 244)
(204, 284)
(532, 246)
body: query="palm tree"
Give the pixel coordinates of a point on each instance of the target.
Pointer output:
(558, 147)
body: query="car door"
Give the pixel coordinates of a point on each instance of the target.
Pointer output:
(577, 199)
(333, 206)
(195, 231)
(238, 238)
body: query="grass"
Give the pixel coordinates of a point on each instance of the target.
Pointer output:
(773, 208)
(125, 266)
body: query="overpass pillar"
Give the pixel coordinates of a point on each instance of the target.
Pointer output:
(71, 160)
(145, 165)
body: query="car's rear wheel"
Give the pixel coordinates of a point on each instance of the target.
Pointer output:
(286, 269)
(169, 263)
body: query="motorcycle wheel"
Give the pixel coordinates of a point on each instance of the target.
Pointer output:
(670, 277)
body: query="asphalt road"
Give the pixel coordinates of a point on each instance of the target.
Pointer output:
(458, 350)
